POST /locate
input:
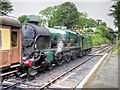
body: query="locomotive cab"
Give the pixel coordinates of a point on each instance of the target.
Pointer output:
(34, 38)
(10, 45)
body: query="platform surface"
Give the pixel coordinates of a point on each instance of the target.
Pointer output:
(107, 74)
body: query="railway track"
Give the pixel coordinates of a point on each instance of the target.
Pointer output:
(98, 48)
(92, 55)
(70, 70)
(87, 76)
(51, 82)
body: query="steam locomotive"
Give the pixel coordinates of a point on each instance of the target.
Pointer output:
(43, 47)
(38, 47)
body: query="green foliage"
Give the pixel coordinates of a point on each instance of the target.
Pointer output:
(104, 31)
(65, 15)
(89, 30)
(99, 40)
(98, 31)
(115, 12)
(101, 35)
(91, 23)
(83, 21)
(23, 19)
(5, 7)
(103, 24)
(46, 14)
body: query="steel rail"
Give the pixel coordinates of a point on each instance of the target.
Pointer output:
(99, 48)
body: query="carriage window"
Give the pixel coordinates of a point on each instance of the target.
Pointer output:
(14, 38)
(0, 40)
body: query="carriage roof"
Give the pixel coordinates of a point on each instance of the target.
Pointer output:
(9, 21)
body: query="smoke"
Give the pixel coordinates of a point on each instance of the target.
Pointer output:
(59, 46)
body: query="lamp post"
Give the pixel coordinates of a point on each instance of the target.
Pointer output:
(98, 22)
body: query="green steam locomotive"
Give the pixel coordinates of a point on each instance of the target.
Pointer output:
(44, 47)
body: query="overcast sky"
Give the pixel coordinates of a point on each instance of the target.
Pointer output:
(97, 9)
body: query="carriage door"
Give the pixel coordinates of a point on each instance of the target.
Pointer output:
(14, 46)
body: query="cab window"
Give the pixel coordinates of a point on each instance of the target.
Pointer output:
(14, 38)
(42, 42)
(0, 40)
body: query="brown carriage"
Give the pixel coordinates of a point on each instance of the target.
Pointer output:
(10, 45)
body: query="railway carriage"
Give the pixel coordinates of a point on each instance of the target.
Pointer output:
(10, 45)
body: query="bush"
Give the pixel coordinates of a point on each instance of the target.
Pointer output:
(97, 31)
(98, 39)
(89, 30)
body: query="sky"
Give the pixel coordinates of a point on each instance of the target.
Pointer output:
(96, 9)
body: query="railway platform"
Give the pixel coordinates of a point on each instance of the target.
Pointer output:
(107, 74)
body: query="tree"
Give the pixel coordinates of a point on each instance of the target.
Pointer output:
(65, 15)
(23, 19)
(89, 30)
(115, 12)
(92, 23)
(46, 14)
(5, 7)
(103, 24)
(83, 21)
(104, 30)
